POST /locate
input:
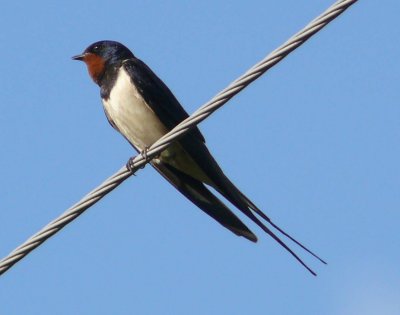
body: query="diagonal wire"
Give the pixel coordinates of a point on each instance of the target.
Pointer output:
(202, 113)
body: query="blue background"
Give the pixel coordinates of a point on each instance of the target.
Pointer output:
(314, 143)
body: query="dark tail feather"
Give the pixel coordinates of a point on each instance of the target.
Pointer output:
(245, 205)
(280, 242)
(196, 192)
(199, 152)
(266, 218)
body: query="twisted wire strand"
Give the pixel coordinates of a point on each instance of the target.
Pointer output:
(199, 115)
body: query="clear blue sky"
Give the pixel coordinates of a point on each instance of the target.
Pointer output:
(314, 143)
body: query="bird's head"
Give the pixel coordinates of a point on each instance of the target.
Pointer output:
(101, 55)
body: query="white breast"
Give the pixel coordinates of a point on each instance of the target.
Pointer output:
(140, 125)
(131, 115)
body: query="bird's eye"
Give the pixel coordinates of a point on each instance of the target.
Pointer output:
(96, 48)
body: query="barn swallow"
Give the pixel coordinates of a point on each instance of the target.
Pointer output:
(143, 109)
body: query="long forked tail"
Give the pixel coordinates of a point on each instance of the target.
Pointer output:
(266, 218)
(244, 204)
(219, 181)
(198, 193)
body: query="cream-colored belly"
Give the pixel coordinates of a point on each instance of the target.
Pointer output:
(141, 127)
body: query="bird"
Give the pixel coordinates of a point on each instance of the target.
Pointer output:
(140, 106)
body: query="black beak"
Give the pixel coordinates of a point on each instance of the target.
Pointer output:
(80, 57)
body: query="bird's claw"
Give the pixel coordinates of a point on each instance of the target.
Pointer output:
(130, 164)
(143, 153)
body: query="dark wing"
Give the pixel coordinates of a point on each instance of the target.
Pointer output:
(196, 192)
(158, 96)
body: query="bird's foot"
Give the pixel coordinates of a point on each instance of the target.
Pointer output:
(143, 153)
(130, 165)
